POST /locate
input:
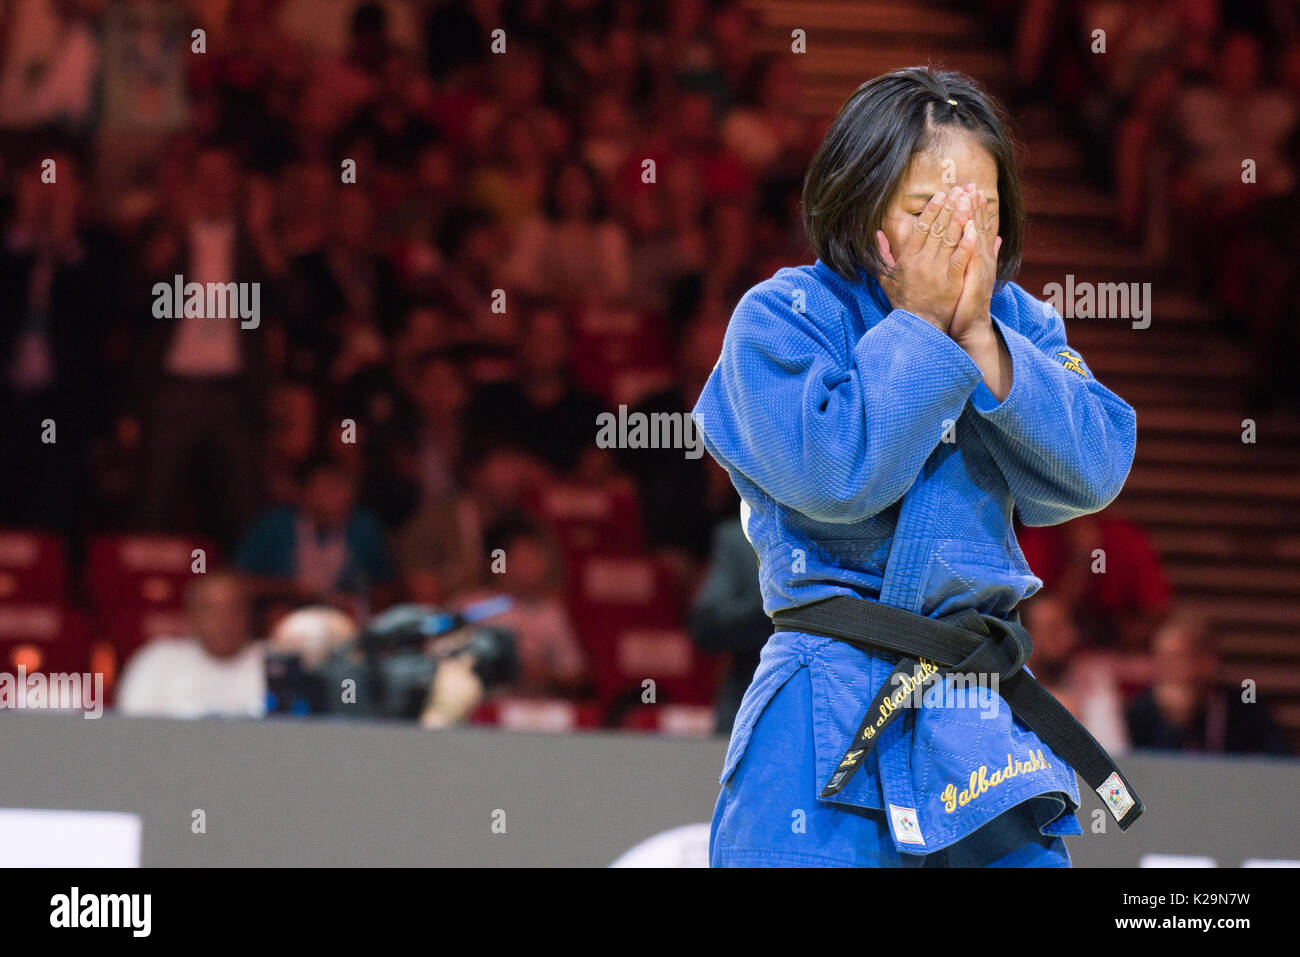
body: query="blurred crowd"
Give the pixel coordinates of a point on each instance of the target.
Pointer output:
(1190, 111)
(468, 244)
(464, 253)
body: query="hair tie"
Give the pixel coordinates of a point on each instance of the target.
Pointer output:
(953, 102)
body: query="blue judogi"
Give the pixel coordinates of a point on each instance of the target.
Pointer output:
(871, 460)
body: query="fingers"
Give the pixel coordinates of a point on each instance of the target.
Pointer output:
(987, 227)
(939, 229)
(987, 241)
(923, 223)
(962, 215)
(964, 253)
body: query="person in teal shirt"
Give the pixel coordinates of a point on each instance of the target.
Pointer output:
(325, 544)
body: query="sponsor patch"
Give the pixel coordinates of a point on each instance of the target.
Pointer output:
(1115, 795)
(906, 830)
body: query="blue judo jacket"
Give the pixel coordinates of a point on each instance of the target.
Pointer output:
(871, 460)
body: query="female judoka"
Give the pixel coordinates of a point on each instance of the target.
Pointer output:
(882, 412)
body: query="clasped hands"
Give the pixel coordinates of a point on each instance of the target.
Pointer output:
(945, 274)
(948, 264)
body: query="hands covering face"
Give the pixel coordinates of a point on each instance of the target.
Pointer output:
(947, 266)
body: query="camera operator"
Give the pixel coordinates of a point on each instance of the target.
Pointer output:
(410, 662)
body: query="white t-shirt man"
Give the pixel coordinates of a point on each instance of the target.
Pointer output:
(178, 678)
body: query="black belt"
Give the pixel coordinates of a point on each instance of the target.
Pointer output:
(965, 643)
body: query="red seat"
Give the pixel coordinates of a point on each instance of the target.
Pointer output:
(33, 567)
(44, 637)
(539, 714)
(137, 586)
(682, 720)
(588, 520)
(629, 616)
(607, 342)
(669, 657)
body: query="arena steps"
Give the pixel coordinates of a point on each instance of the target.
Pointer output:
(851, 41)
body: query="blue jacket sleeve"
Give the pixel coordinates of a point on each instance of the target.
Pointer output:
(837, 441)
(1064, 441)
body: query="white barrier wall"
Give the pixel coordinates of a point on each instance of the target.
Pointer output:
(309, 792)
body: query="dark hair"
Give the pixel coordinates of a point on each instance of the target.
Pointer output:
(457, 226)
(514, 527)
(594, 183)
(865, 153)
(369, 19)
(510, 528)
(317, 463)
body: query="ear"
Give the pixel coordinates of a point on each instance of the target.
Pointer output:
(883, 242)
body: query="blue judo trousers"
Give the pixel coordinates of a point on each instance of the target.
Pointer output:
(872, 461)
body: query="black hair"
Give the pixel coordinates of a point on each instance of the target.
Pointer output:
(369, 19)
(594, 182)
(857, 168)
(458, 224)
(509, 528)
(319, 461)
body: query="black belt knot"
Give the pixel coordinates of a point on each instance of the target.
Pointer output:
(1006, 648)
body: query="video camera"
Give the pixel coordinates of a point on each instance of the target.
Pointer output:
(388, 670)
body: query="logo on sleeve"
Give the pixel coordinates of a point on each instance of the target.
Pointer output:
(1072, 363)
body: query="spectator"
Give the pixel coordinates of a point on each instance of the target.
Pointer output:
(352, 81)
(55, 270)
(442, 546)
(551, 661)
(682, 498)
(513, 187)
(1082, 680)
(421, 463)
(1184, 710)
(769, 133)
(1107, 574)
(576, 252)
(1218, 126)
(462, 273)
(217, 671)
(424, 448)
(292, 439)
(49, 79)
(341, 301)
(323, 546)
(541, 411)
(728, 616)
(197, 385)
